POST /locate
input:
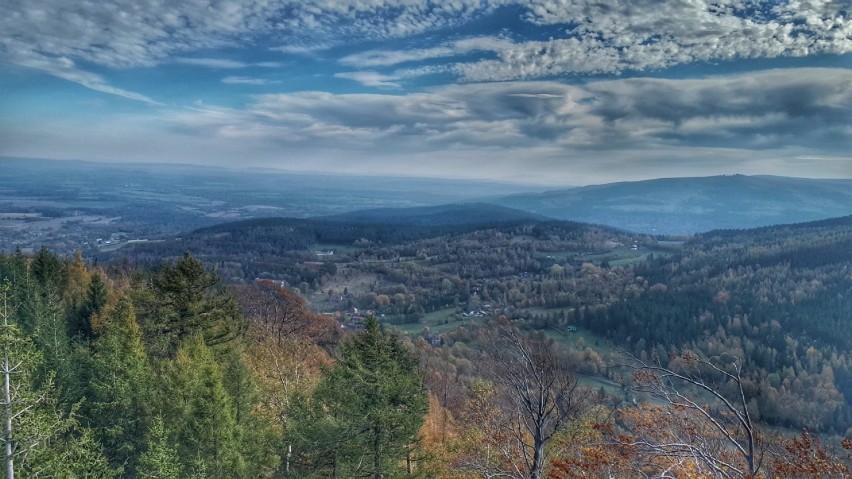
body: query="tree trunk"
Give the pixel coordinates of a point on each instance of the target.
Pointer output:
(7, 410)
(7, 405)
(408, 463)
(538, 458)
(377, 453)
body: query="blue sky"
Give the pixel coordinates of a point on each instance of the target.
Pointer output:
(557, 92)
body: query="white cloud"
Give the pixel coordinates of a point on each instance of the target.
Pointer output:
(630, 35)
(611, 37)
(222, 63)
(304, 50)
(383, 58)
(211, 63)
(792, 122)
(589, 36)
(239, 80)
(370, 78)
(66, 69)
(144, 33)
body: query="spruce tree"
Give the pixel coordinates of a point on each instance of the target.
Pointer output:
(186, 303)
(93, 304)
(118, 401)
(365, 412)
(200, 412)
(160, 459)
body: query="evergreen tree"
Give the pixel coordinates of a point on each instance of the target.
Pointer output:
(160, 460)
(201, 414)
(365, 412)
(185, 303)
(93, 304)
(118, 391)
(49, 272)
(40, 440)
(42, 317)
(255, 436)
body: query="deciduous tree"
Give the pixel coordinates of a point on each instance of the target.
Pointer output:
(703, 421)
(540, 396)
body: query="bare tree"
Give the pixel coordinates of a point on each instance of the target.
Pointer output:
(540, 397)
(699, 417)
(7, 388)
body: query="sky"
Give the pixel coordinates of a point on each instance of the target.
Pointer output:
(552, 92)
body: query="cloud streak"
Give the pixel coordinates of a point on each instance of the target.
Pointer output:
(223, 63)
(241, 80)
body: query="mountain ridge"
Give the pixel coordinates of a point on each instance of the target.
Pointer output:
(690, 205)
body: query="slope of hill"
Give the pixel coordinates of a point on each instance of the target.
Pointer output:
(692, 205)
(779, 297)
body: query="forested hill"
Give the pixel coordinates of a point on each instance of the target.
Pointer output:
(779, 297)
(369, 227)
(443, 215)
(263, 246)
(693, 205)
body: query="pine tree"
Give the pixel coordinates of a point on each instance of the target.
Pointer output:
(160, 460)
(186, 304)
(118, 391)
(200, 412)
(366, 410)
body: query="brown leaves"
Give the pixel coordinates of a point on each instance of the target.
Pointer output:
(282, 313)
(806, 458)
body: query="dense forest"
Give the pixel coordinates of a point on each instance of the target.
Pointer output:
(722, 356)
(778, 297)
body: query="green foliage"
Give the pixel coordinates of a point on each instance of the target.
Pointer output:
(93, 304)
(46, 441)
(211, 432)
(255, 436)
(185, 304)
(205, 396)
(160, 459)
(49, 272)
(118, 395)
(42, 317)
(364, 414)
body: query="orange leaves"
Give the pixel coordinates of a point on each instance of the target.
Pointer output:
(645, 377)
(281, 313)
(806, 458)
